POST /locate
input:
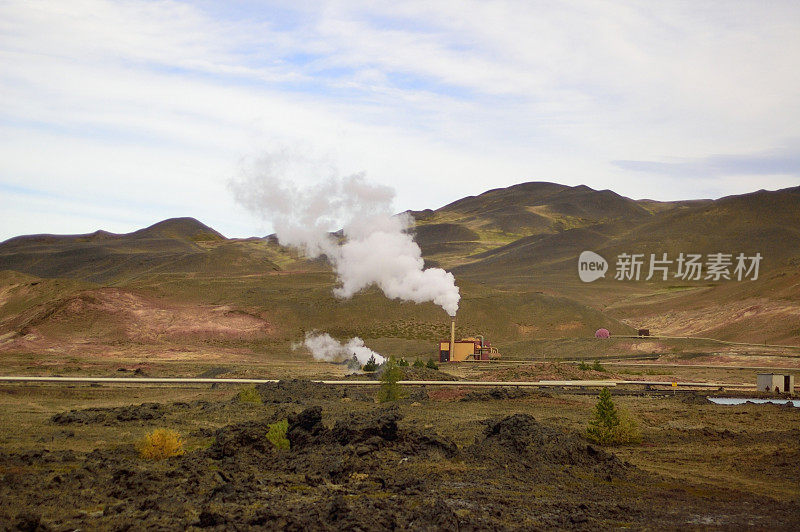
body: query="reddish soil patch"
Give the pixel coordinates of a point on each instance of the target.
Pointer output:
(451, 393)
(112, 316)
(545, 371)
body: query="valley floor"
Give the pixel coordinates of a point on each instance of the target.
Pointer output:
(438, 459)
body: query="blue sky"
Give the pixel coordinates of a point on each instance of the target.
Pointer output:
(116, 115)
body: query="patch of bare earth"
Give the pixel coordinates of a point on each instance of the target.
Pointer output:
(544, 371)
(113, 314)
(748, 320)
(730, 360)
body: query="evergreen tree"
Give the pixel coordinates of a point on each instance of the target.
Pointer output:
(605, 420)
(390, 389)
(371, 365)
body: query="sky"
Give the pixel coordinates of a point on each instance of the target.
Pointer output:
(117, 114)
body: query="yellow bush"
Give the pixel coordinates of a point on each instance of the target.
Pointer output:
(628, 430)
(160, 444)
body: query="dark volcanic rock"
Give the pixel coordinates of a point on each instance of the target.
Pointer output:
(306, 428)
(29, 522)
(110, 416)
(695, 399)
(380, 424)
(304, 392)
(520, 440)
(364, 432)
(209, 519)
(240, 438)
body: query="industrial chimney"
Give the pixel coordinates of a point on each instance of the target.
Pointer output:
(452, 337)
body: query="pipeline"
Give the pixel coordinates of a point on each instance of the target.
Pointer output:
(199, 380)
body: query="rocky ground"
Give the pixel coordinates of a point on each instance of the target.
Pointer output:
(357, 465)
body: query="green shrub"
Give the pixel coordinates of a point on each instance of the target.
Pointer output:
(371, 365)
(390, 389)
(609, 425)
(597, 366)
(583, 366)
(277, 434)
(160, 444)
(628, 429)
(418, 363)
(402, 362)
(431, 364)
(249, 395)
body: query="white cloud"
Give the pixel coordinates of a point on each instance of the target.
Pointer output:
(154, 103)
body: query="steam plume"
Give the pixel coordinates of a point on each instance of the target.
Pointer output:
(377, 248)
(324, 347)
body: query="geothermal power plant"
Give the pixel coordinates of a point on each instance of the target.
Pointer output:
(468, 349)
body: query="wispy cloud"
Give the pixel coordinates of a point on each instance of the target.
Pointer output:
(138, 101)
(768, 164)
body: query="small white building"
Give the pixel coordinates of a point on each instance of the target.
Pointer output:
(774, 382)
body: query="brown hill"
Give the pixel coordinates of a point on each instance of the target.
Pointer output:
(503, 216)
(761, 222)
(178, 245)
(179, 229)
(533, 208)
(186, 229)
(540, 207)
(765, 222)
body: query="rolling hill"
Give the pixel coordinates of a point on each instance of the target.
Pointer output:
(513, 250)
(178, 245)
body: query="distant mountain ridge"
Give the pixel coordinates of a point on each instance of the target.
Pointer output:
(539, 224)
(174, 228)
(513, 251)
(182, 245)
(501, 232)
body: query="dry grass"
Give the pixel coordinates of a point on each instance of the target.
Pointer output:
(160, 444)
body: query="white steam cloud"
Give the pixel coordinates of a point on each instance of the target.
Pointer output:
(377, 247)
(324, 347)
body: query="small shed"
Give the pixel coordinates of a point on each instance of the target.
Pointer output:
(775, 382)
(644, 332)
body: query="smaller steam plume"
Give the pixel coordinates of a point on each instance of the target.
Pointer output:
(377, 246)
(324, 347)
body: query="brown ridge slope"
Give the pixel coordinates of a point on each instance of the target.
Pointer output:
(763, 222)
(540, 207)
(502, 216)
(178, 245)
